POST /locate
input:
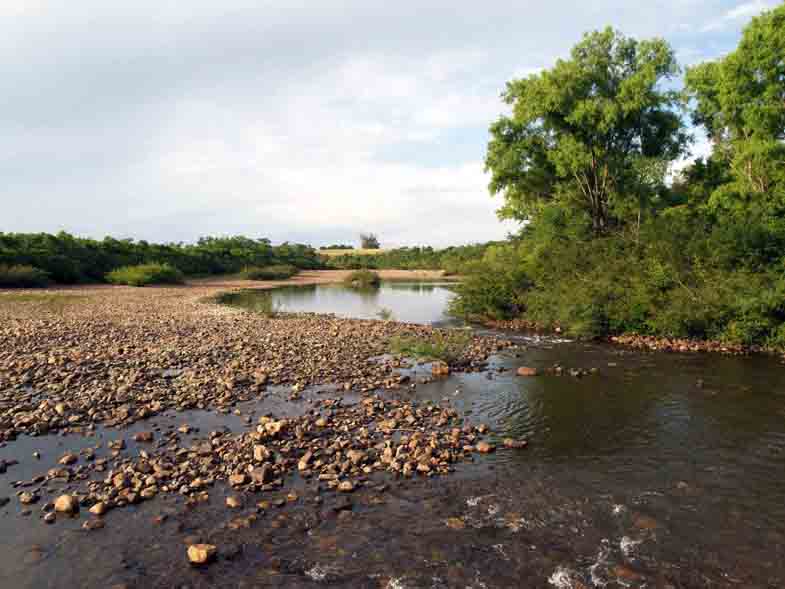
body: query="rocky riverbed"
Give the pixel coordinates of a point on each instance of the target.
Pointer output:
(115, 358)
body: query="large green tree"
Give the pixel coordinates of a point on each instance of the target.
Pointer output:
(740, 100)
(588, 133)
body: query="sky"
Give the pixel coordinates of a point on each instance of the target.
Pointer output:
(307, 121)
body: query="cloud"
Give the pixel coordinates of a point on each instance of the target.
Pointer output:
(741, 12)
(294, 120)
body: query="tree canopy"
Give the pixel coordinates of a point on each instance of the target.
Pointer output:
(590, 133)
(740, 101)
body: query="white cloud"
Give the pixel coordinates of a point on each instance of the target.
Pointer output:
(743, 11)
(294, 120)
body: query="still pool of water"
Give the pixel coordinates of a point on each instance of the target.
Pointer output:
(410, 302)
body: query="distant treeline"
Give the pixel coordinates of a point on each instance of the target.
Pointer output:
(453, 260)
(68, 259)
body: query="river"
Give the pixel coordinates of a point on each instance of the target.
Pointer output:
(646, 470)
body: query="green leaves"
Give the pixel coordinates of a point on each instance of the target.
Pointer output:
(740, 100)
(578, 130)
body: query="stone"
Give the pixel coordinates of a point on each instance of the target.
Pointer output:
(68, 459)
(260, 453)
(356, 456)
(144, 437)
(66, 504)
(50, 517)
(28, 498)
(93, 524)
(99, 508)
(237, 479)
(485, 447)
(233, 502)
(515, 444)
(304, 461)
(440, 368)
(526, 371)
(456, 523)
(346, 486)
(199, 554)
(262, 474)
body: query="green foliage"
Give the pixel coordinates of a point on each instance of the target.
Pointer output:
(22, 276)
(448, 346)
(452, 259)
(280, 272)
(337, 247)
(144, 274)
(70, 259)
(362, 279)
(594, 133)
(704, 258)
(740, 100)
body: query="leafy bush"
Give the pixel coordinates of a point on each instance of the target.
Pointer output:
(279, 272)
(69, 259)
(20, 276)
(362, 279)
(145, 274)
(447, 346)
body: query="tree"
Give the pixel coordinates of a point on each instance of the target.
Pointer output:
(369, 241)
(740, 100)
(588, 133)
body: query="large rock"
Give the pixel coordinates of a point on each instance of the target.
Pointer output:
(262, 474)
(260, 453)
(201, 553)
(440, 369)
(66, 504)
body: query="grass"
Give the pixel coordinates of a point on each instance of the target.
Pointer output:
(20, 276)
(353, 252)
(145, 274)
(447, 346)
(362, 279)
(279, 272)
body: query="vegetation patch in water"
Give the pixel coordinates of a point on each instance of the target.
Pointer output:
(278, 272)
(362, 279)
(257, 301)
(447, 346)
(145, 274)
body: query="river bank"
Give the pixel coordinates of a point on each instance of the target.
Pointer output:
(640, 342)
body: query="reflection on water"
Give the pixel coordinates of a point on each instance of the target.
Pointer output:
(410, 302)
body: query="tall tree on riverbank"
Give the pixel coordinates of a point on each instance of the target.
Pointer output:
(589, 133)
(740, 100)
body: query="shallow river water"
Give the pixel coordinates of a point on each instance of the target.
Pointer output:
(661, 470)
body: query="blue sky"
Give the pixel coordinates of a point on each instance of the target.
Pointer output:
(301, 121)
